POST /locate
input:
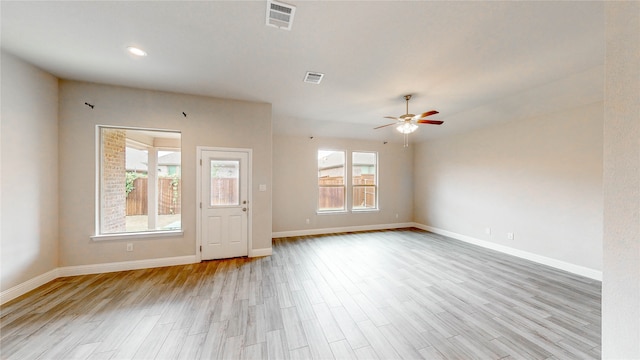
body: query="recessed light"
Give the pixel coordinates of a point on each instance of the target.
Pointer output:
(136, 51)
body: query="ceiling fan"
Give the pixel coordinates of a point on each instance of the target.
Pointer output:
(407, 123)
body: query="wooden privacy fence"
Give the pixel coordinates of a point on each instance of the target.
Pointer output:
(365, 179)
(224, 191)
(331, 198)
(331, 193)
(169, 191)
(364, 196)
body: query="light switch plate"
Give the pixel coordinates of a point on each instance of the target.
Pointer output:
(262, 187)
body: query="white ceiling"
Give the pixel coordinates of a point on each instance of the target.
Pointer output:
(478, 63)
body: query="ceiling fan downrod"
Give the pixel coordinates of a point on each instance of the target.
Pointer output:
(407, 97)
(406, 135)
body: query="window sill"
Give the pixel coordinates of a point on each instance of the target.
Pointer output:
(337, 212)
(138, 235)
(355, 211)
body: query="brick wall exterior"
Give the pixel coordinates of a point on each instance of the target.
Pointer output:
(114, 196)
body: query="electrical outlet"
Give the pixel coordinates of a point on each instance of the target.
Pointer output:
(308, 222)
(510, 236)
(129, 247)
(487, 231)
(396, 216)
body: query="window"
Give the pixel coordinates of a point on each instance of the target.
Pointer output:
(364, 181)
(225, 182)
(331, 185)
(139, 181)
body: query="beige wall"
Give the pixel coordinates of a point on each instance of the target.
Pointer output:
(209, 122)
(540, 179)
(29, 187)
(295, 182)
(621, 280)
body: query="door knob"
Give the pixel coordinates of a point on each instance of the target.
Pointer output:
(244, 209)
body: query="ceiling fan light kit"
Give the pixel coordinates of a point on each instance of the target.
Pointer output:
(408, 123)
(407, 128)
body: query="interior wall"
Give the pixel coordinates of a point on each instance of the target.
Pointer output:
(209, 122)
(621, 278)
(29, 187)
(540, 179)
(295, 179)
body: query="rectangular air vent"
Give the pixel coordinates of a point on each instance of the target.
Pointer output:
(280, 15)
(313, 77)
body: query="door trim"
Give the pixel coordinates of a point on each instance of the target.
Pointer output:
(249, 152)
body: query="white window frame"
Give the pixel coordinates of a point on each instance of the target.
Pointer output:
(98, 192)
(344, 185)
(375, 186)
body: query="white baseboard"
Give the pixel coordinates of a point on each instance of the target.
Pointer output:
(344, 229)
(260, 252)
(65, 271)
(27, 286)
(558, 264)
(125, 265)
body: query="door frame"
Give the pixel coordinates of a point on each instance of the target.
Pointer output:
(199, 151)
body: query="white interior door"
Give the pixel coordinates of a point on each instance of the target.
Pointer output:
(224, 200)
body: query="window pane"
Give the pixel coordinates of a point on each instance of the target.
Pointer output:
(136, 176)
(364, 197)
(331, 198)
(169, 189)
(331, 180)
(364, 168)
(137, 215)
(113, 176)
(330, 167)
(364, 172)
(225, 184)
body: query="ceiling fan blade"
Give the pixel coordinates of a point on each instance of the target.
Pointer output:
(391, 117)
(432, 122)
(393, 123)
(425, 114)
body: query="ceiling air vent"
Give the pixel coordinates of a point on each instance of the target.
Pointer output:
(280, 15)
(313, 77)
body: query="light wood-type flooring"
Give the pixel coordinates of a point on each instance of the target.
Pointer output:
(384, 294)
